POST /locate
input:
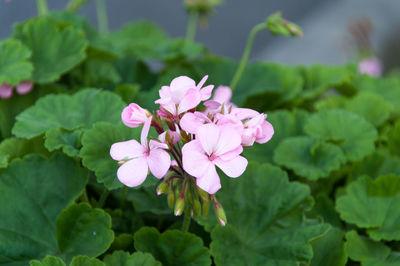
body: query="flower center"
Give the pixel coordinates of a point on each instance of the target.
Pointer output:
(212, 157)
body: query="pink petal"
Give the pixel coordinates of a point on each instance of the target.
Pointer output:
(229, 140)
(154, 144)
(159, 162)
(267, 133)
(191, 99)
(126, 150)
(145, 131)
(231, 154)
(201, 83)
(190, 122)
(24, 87)
(206, 92)
(194, 161)
(209, 181)
(222, 94)
(179, 87)
(244, 113)
(133, 172)
(232, 168)
(208, 135)
(6, 91)
(212, 104)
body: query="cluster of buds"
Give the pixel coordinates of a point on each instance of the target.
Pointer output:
(198, 137)
(204, 8)
(6, 90)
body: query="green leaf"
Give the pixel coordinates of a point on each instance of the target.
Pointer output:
(68, 141)
(55, 49)
(86, 261)
(14, 63)
(82, 230)
(329, 250)
(172, 247)
(48, 261)
(34, 191)
(70, 112)
(277, 235)
(308, 157)
(324, 209)
(368, 252)
(147, 200)
(95, 152)
(286, 124)
(393, 141)
(380, 197)
(136, 259)
(351, 132)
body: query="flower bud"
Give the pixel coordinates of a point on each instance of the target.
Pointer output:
(179, 205)
(203, 194)
(220, 213)
(133, 115)
(162, 188)
(196, 207)
(204, 208)
(171, 197)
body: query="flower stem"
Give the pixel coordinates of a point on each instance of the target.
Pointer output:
(186, 221)
(103, 198)
(41, 7)
(102, 18)
(246, 54)
(192, 25)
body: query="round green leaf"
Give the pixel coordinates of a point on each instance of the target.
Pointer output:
(68, 141)
(394, 139)
(136, 259)
(48, 261)
(329, 249)
(380, 197)
(34, 191)
(86, 261)
(82, 230)
(14, 63)
(55, 48)
(172, 247)
(69, 112)
(351, 132)
(308, 157)
(265, 220)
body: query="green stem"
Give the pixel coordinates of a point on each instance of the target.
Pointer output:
(246, 54)
(192, 25)
(123, 196)
(186, 221)
(102, 18)
(103, 198)
(41, 7)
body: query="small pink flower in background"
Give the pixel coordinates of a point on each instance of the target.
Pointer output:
(222, 96)
(23, 87)
(137, 158)
(371, 66)
(134, 116)
(214, 146)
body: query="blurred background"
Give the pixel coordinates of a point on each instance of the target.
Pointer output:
(335, 31)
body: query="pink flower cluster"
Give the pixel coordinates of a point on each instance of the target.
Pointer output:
(212, 135)
(23, 87)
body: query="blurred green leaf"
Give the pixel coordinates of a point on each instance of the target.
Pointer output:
(136, 259)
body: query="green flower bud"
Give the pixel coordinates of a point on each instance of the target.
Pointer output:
(162, 188)
(171, 197)
(220, 213)
(179, 205)
(204, 208)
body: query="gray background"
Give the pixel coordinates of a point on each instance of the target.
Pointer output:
(324, 22)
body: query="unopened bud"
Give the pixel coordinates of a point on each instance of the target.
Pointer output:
(203, 194)
(162, 188)
(196, 207)
(220, 213)
(179, 205)
(204, 208)
(171, 197)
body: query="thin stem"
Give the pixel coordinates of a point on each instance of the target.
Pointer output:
(103, 198)
(246, 54)
(192, 25)
(41, 7)
(123, 196)
(102, 18)
(186, 222)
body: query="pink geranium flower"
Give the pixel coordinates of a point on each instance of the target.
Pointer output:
(137, 158)
(183, 94)
(23, 87)
(134, 116)
(213, 146)
(371, 66)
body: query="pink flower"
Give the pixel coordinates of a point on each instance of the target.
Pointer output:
(257, 129)
(222, 96)
(371, 66)
(213, 146)
(137, 158)
(23, 87)
(133, 115)
(190, 122)
(183, 95)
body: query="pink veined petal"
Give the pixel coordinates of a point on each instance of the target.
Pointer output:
(206, 92)
(208, 136)
(209, 181)
(223, 94)
(244, 113)
(229, 140)
(179, 87)
(201, 83)
(194, 161)
(191, 99)
(256, 121)
(165, 92)
(133, 172)
(267, 132)
(234, 167)
(126, 150)
(24, 87)
(231, 154)
(6, 90)
(153, 144)
(145, 131)
(214, 105)
(159, 162)
(190, 122)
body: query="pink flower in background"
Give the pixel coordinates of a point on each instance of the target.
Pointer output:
(371, 66)
(134, 116)
(137, 158)
(23, 87)
(214, 146)
(222, 96)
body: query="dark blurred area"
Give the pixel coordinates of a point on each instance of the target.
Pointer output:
(327, 38)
